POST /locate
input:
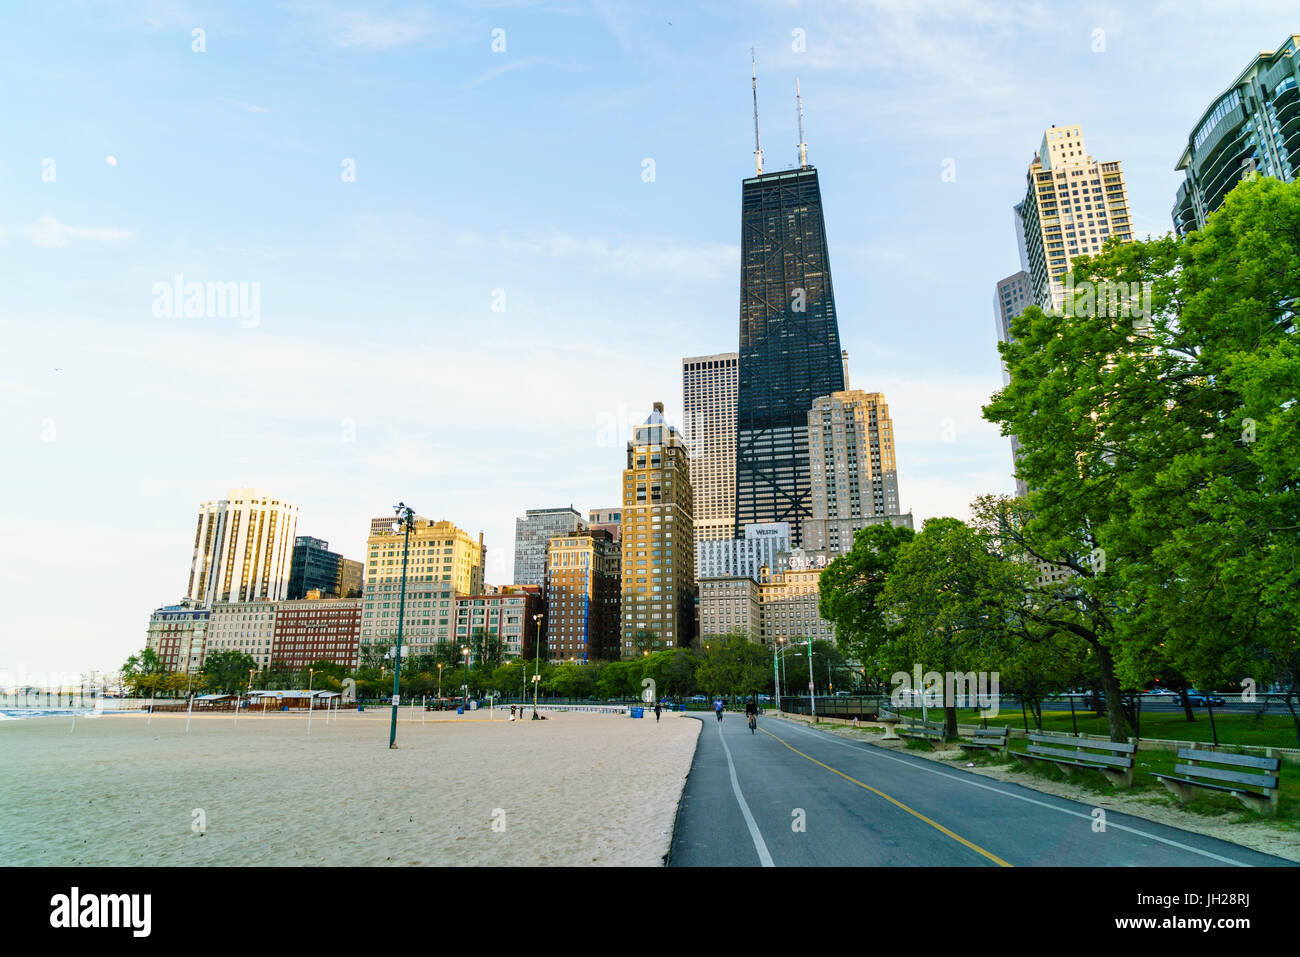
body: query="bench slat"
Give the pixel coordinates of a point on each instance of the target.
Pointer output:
(1240, 760)
(1108, 759)
(990, 733)
(1075, 764)
(1267, 781)
(1199, 784)
(1071, 740)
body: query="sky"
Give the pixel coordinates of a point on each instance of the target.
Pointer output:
(476, 240)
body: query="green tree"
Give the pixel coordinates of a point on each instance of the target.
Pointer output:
(138, 666)
(953, 601)
(226, 672)
(1160, 449)
(851, 587)
(735, 665)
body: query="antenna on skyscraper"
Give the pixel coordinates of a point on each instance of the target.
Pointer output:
(758, 149)
(803, 147)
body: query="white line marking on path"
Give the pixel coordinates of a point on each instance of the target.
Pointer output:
(764, 858)
(962, 779)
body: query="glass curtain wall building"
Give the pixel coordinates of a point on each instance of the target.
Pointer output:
(789, 345)
(1252, 128)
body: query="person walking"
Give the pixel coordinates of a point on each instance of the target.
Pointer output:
(717, 709)
(656, 712)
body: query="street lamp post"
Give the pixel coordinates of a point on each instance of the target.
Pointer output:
(776, 674)
(465, 654)
(406, 519)
(311, 675)
(812, 701)
(440, 684)
(537, 659)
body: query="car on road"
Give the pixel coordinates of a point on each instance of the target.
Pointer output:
(1199, 699)
(699, 697)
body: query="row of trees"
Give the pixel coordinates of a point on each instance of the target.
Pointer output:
(1160, 538)
(729, 665)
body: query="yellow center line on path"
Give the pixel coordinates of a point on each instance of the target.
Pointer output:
(934, 824)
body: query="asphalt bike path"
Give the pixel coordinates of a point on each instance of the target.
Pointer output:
(790, 795)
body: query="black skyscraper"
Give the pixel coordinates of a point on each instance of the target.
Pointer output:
(789, 344)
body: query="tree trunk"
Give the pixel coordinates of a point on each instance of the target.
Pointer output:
(1115, 718)
(1187, 704)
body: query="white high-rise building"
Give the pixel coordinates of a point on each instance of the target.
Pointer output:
(745, 557)
(243, 548)
(710, 386)
(1013, 296)
(1072, 205)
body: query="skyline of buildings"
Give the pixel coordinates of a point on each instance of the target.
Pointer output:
(830, 479)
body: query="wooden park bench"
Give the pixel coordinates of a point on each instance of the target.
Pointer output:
(930, 731)
(1264, 800)
(987, 739)
(1111, 759)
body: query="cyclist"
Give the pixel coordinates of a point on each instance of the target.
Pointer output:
(751, 710)
(717, 709)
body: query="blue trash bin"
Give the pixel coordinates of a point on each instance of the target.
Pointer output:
(638, 712)
(460, 709)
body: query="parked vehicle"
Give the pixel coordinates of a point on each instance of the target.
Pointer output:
(1199, 699)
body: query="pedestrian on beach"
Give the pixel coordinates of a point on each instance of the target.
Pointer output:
(656, 712)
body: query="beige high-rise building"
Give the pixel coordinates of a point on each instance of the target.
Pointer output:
(658, 540)
(443, 563)
(1073, 204)
(709, 388)
(781, 607)
(243, 548)
(437, 552)
(854, 473)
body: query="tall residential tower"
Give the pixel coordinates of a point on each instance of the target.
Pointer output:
(243, 548)
(709, 428)
(658, 540)
(1252, 128)
(1072, 205)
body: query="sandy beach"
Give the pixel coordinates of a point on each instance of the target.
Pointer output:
(577, 789)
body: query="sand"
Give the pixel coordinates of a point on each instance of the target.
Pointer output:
(577, 789)
(1263, 836)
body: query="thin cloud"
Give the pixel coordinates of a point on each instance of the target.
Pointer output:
(360, 30)
(48, 232)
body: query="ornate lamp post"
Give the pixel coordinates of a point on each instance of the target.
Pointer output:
(465, 654)
(405, 521)
(537, 659)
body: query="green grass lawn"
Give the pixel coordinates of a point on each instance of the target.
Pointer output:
(1270, 730)
(1236, 730)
